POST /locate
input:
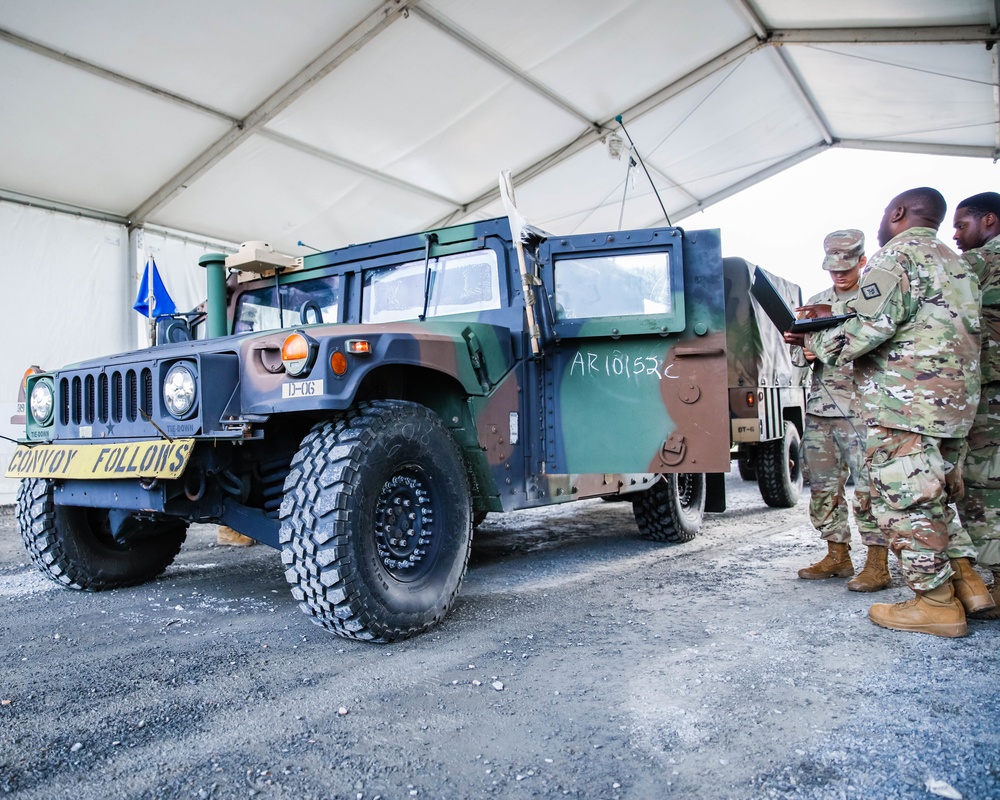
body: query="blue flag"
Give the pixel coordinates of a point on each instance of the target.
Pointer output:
(162, 303)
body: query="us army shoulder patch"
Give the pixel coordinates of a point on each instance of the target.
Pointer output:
(875, 290)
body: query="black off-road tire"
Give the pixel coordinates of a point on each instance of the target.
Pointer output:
(779, 469)
(358, 563)
(746, 462)
(672, 509)
(73, 546)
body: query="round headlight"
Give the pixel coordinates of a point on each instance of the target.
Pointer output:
(179, 390)
(41, 402)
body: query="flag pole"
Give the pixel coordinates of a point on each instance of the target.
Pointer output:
(150, 299)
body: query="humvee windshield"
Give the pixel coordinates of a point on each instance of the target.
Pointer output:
(461, 283)
(301, 303)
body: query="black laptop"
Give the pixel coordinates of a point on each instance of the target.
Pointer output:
(781, 315)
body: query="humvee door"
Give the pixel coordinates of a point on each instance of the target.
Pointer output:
(636, 378)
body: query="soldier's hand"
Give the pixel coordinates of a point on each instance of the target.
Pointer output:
(796, 339)
(809, 354)
(814, 311)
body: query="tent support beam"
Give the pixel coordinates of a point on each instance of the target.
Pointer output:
(483, 51)
(587, 138)
(63, 208)
(110, 75)
(953, 34)
(807, 100)
(966, 34)
(798, 85)
(920, 148)
(389, 12)
(368, 172)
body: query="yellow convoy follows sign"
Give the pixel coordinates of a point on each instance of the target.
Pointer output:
(158, 459)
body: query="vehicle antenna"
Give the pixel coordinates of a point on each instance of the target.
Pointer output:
(666, 216)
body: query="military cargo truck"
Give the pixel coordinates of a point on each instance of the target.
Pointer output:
(767, 390)
(359, 409)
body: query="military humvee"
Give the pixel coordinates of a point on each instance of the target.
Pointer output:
(359, 409)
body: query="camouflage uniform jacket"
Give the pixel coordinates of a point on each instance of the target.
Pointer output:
(985, 262)
(915, 340)
(832, 383)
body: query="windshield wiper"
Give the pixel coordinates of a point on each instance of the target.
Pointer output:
(431, 239)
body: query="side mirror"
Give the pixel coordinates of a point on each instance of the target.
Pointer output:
(170, 330)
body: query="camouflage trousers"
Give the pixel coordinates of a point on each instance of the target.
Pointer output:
(914, 479)
(979, 509)
(833, 451)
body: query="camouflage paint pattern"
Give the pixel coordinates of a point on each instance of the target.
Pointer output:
(532, 431)
(757, 353)
(831, 387)
(834, 443)
(914, 480)
(833, 448)
(979, 508)
(623, 395)
(915, 340)
(985, 263)
(759, 362)
(915, 347)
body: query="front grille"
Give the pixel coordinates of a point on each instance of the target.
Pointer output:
(64, 402)
(131, 396)
(107, 401)
(102, 397)
(77, 400)
(88, 399)
(117, 396)
(147, 392)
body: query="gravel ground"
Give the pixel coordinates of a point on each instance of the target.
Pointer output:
(578, 661)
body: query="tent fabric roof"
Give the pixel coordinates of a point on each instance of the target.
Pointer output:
(333, 123)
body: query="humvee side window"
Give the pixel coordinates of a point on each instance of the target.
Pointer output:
(460, 283)
(613, 286)
(257, 309)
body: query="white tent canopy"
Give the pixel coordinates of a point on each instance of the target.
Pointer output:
(188, 126)
(333, 122)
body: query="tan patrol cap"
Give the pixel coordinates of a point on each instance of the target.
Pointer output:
(844, 249)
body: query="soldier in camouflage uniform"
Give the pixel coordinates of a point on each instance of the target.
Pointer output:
(834, 441)
(915, 347)
(977, 233)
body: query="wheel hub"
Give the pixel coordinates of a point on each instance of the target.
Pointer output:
(404, 517)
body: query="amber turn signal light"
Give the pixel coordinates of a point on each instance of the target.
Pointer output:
(296, 354)
(338, 363)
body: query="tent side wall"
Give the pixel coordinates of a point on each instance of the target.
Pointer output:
(67, 288)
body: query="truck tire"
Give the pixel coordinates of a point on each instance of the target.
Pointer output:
(73, 546)
(357, 566)
(779, 469)
(746, 462)
(672, 509)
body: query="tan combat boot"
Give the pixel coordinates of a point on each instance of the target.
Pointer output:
(993, 613)
(875, 576)
(228, 536)
(937, 612)
(969, 587)
(835, 564)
